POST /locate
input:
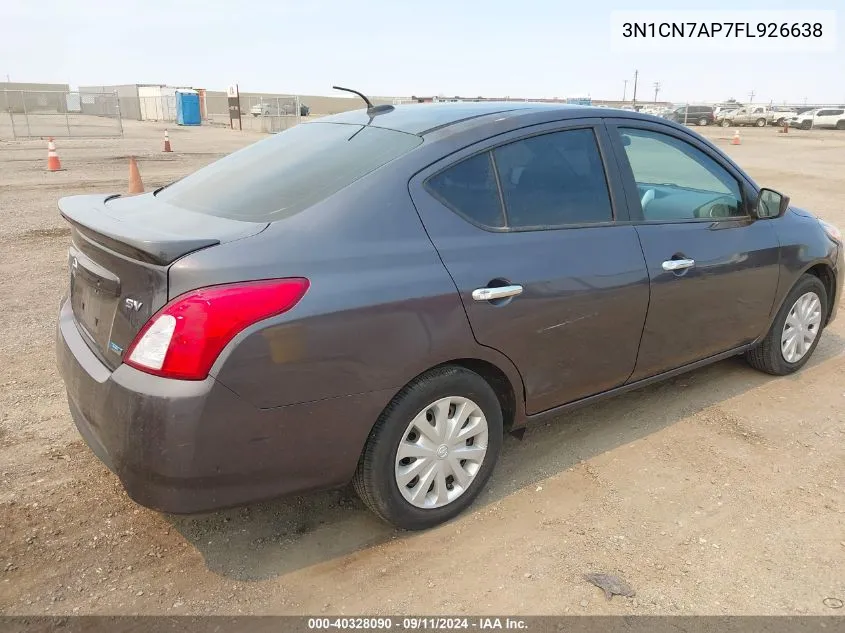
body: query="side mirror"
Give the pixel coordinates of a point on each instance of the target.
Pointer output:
(770, 204)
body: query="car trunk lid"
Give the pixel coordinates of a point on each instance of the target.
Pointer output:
(119, 258)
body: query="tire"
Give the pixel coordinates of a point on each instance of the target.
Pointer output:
(779, 122)
(806, 125)
(768, 355)
(760, 123)
(840, 125)
(375, 479)
(726, 123)
(702, 121)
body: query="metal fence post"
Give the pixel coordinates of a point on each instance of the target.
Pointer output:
(119, 116)
(11, 112)
(67, 117)
(25, 114)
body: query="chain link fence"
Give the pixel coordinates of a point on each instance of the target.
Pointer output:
(270, 114)
(260, 113)
(38, 114)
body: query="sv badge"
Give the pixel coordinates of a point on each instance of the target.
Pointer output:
(132, 304)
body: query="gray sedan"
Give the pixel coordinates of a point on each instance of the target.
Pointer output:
(378, 296)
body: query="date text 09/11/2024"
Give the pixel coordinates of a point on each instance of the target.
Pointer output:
(417, 623)
(794, 30)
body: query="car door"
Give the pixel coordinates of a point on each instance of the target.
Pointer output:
(532, 228)
(828, 118)
(713, 269)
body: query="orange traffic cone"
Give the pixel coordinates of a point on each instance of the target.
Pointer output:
(135, 184)
(167, 142)
(735, 140)
(53, 162)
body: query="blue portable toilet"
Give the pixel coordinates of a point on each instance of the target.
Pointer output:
(188, 107)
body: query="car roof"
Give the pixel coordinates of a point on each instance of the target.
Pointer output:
(422, 118)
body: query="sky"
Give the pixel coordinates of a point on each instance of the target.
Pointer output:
(516, 48)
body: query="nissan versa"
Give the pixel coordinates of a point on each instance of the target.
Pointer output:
(379, 295)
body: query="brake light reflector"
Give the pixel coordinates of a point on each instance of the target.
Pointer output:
(185, 337)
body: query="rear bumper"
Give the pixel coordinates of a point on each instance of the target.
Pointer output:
(192, 446)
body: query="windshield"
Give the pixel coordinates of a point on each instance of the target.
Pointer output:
(288, 172)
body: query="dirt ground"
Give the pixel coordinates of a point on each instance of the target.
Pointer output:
(719, 492)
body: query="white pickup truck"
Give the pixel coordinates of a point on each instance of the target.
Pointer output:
(761, 116)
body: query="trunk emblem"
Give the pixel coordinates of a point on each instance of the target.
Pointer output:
(132, 304)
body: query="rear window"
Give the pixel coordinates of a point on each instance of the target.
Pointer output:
(288, 172)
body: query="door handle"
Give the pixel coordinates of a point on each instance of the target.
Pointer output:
(502, 292)
(678, 264)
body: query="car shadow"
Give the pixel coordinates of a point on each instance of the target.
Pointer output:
(265, 540)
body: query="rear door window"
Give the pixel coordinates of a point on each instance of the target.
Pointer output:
(553, 180)
(288, 172)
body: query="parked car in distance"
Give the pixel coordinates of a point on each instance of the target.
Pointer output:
(759, 116)
(821, 118)
(379, 295)
(692, 115)
(720, 111)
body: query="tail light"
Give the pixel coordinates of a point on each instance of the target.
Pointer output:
(185, 337)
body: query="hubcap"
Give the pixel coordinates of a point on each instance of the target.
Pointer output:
(441, 452)
(801, 327)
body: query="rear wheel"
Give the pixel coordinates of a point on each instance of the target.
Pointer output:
(795, 333)
(432, 450)
(703, 121)
(840, 125)
(726, 123)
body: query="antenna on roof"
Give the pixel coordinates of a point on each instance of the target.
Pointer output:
(360, 94)
(371, 109)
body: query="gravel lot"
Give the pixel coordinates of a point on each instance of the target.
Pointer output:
(719, 492)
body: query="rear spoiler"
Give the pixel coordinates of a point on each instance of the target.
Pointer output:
(135, 234)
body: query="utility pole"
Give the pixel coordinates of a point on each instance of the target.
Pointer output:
(624, 90)
(656, 90)
(634, 100)
(751, 96)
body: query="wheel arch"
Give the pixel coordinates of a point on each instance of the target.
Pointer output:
(510, 394)
(498, 381)
(824, 272)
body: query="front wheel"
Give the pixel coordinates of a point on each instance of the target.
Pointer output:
(760, 123)
(795, 332)
(432, 450)
(806, 125)
(726, 123)
(840, 125)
